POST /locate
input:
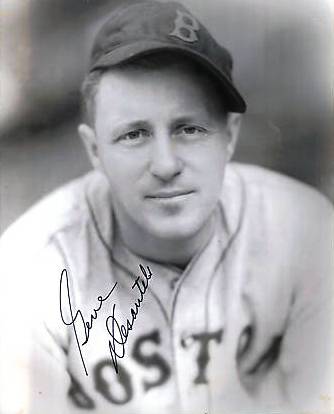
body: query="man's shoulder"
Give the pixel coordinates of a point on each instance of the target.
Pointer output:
(64, 208)
(286, 224)
(278, 198)
(279, 188)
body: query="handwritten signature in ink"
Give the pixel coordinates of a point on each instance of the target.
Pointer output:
(118, 332)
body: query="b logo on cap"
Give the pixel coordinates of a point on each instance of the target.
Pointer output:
(185, 27)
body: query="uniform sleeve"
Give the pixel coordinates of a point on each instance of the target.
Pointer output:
(307, 348)
(33, 375)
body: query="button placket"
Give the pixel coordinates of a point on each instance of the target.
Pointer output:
(192, 336)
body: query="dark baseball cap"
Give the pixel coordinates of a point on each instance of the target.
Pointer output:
(148, 27)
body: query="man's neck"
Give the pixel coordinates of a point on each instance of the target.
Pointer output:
(175, 252)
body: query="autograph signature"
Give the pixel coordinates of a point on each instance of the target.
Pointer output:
(119, 332)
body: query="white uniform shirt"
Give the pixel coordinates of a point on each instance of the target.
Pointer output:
(245, 328)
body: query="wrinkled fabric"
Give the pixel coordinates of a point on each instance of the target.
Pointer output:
(244, 328)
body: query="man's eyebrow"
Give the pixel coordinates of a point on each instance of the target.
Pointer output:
(123, 127)
(190, 119)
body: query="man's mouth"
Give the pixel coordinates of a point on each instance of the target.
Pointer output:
(169, 194)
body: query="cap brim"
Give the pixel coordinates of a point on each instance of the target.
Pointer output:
(132, 51)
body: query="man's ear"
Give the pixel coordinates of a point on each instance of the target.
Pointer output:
(233, 124)
(88, 138)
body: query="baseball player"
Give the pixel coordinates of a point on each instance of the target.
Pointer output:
(168, 279)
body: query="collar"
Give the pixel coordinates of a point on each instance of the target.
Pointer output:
(232, 204)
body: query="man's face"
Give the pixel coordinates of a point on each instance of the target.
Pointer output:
(162, 140)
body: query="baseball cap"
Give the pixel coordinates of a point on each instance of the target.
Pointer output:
(147, 27)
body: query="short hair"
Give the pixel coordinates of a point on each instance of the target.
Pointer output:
(151, 61)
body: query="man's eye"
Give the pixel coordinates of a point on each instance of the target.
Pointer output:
(134, 136)
(192, 130)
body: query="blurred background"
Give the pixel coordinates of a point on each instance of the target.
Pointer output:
(283, 54)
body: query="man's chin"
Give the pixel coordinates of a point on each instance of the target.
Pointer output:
(174, 230)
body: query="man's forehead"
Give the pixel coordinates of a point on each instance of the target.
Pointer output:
(130, 88)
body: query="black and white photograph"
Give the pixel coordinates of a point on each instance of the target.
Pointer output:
(166, 207)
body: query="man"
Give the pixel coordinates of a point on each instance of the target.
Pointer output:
(169, 279)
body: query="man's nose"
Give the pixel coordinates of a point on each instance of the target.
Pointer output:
(165, 162)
